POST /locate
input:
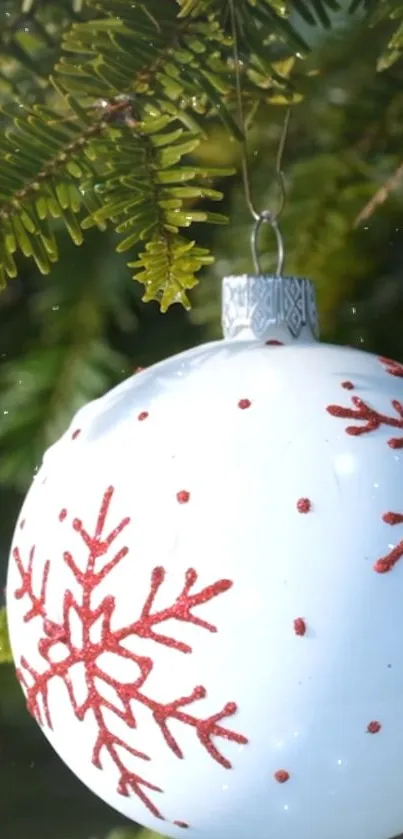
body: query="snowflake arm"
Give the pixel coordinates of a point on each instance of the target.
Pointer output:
(180, 609)
(386, 563)
(394, 368)
(205, 728)
(26, 589)
(78, 575)
(372, 419)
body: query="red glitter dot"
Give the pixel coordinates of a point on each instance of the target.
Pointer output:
(62, 514)
(303, 505)
(396, 443)
(272, 342)
(142, 416)
(281, 776)
(373, 727)
(183, 496)
(347, 385)
(392, 518)
(299, 626)
(181, 824)
(76, 433)
(244, 403)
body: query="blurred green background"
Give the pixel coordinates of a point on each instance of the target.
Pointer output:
(69, 337)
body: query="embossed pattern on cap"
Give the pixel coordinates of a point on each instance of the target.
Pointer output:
(256, 304)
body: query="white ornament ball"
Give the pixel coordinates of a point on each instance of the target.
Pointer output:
(205, 591)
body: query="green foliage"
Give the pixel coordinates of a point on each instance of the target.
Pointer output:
(133, 83)
(66, 362)
(135, 136)
(169, 268)
(125, 139)
(30, 34)
(395, 44)
(340, 153)
(127, 174)
(5, 649)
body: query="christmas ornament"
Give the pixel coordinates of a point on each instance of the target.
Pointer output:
(205, 586)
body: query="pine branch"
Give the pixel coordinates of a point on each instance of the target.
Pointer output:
(101, 155)
(394, 47)
(87, 159)
(134, 82)
(167, 264)
(377, 13)
(150, 51)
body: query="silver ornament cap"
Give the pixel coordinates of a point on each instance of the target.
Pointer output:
(263, 306)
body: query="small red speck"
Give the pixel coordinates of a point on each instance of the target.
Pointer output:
(396, 443)
(244, 403)
(303, 505)
(139, 369)
(272, 342)
(281, 776)
(373, 727)
(299, 626)
(347, 385)
(183, 496)
(22, 524)
(76, 433)
(392, 518)
(62, 514)
(181, 824)
(142, 416)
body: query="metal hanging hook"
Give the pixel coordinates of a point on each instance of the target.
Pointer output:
(264, 216)
(279, 176)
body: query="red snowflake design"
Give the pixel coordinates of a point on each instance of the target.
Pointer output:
(36, 684)
(371, 419)
(386, 563)
(394, 368)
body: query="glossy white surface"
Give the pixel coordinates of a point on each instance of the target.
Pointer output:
(304, 702)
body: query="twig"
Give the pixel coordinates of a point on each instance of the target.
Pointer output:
(380, 196)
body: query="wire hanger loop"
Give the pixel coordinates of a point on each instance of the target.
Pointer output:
(265, 216)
